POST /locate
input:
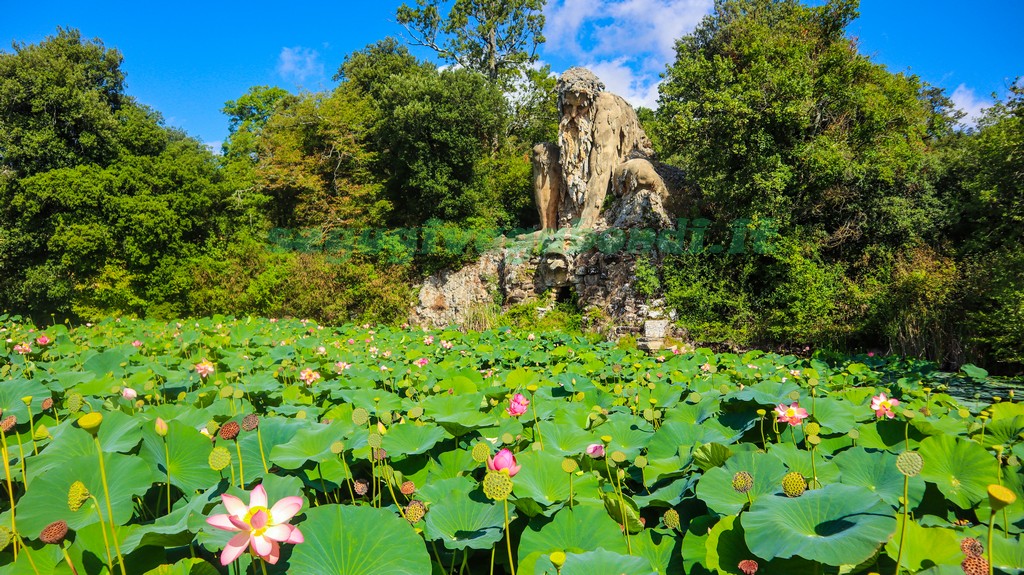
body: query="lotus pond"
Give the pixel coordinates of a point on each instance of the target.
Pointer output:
(258, 446)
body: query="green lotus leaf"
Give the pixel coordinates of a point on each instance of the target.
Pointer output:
(961, 469)
(726, 546)
(629, 434)
(877, 471)
(624, 511)
(342, 539)
(1003, 431)
(585, 527)
(564, 438)
(836, 525)
(185, 567)
(715, 487)
(409, 439)
(661, 548)
(694, 547)
(310, 444)
(925, 547)
(599, 561)
(46, 500)
(189, 453)
(459, 521)
(839, 416)
(542, 479)
(799, 460)
(711, 455)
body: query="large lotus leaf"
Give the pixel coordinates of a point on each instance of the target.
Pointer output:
(562, 437)
(460, 521)
(661, 549)
(836, 525)
(189, 453)
(185, 567)
(11, 393)
(877, 471)
(598, 561)
(629, 434)
(409, 439)
(925, 547)
(697, 412)
(799, 460)
(585, 527)
(46, 500)
(624, 511)
(715, 487)
(543, 480)
(347, 540)
(838, 415)
(674, 436)
(458, 413)
(726, 546)
(961, 469)
(311, 444)
(1003, 431)
(767, 392)
(1014, 513)
(106, 363)
(452, 463)
(694, 547)
(888, 434)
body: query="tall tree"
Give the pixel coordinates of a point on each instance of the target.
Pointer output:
(496, 38)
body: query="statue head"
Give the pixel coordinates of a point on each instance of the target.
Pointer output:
(577, 87)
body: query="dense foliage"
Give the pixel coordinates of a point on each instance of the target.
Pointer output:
(390, 445)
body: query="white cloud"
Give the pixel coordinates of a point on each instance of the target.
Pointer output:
(298, 63)
(965, 100)
(627, 43)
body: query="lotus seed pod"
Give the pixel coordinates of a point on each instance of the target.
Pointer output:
(569, 465)
(1000, 497)
(794, 484)
(671, 519)
(972, 547)
(761, 412)
(74, 402)
(497, 485)
(557, 559)
(814, 439)
(407, 488)
(378, 454)
(853, 434)
(54, 533)
(580, 396)
(748, 566)
(229, 431)
(648, 414)
(812, 428)
(5, 537)
(250, 422)
(386, 418)
(212, 427)
(507, 438)
(640, 461)
(606, 438)
(963, 413)
(794, 395)
(618, 456)
(47, 404)
(909, 463)
(41, 433)
(219, 458)
(27, 400)
(78, 494)
(361, 486)
(90, 422)
(360, 416)
(374, 440)
(742, 482)
(415, 511)
(975, 565)
(481, 452)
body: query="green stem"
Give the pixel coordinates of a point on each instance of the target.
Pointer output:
(991, 526)
(508, 540)
(110, 510)
(31, 431)
(167, 462)
(241, 471)
(103, 530)
(10, 488)
(68, 560)
(259, 439)
(903, 528)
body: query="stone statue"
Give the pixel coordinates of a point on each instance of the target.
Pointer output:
(601, 148)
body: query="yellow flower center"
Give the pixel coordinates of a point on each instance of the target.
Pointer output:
(266, 524)
(886, 405)
(790, 412)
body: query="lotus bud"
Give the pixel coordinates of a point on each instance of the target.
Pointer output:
(161, 427)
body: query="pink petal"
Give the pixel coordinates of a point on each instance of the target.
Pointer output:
(296, 536)
(279, 532)
(234, 505)
(261, 545)
(286, 508)
(513, 470)
(239, 524)
(275, 553)
(222, 521)
(259, 519)
(234, 548)
(258, 498)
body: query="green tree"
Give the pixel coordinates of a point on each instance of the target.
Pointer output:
(498, 39)
(370, 70)
(246, 118)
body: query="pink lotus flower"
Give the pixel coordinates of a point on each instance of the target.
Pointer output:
(531, 337)
(429, 340)
(446, 344)
(136, 344)
(351, 341)
(309, 376)
(342, 365)
(517, 405)
(129, 393)
(204, 368)
(883, 405)
(706, 367)
(261, 529)
(422, 362)
(504, 462)
(43, 340)
(22, 348)
(595, 450)
(792, 415)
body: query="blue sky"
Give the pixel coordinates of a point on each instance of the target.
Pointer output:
(187, 58)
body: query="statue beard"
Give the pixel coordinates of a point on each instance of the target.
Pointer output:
(576, 140)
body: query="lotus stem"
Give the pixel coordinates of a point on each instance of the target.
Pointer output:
(241, 472)
(167, 462)
(263, 566)
(103, 529)
(536, 422)
(31, 431)
(570, 490)
(508, 540)
(10, 488)
(903, 527)
(622, 503)
(67, 558)
(814, 471)
(28, 555)
(110, 510)
(259, 439)
(348, 476)
(991, 526)
(21, 452)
